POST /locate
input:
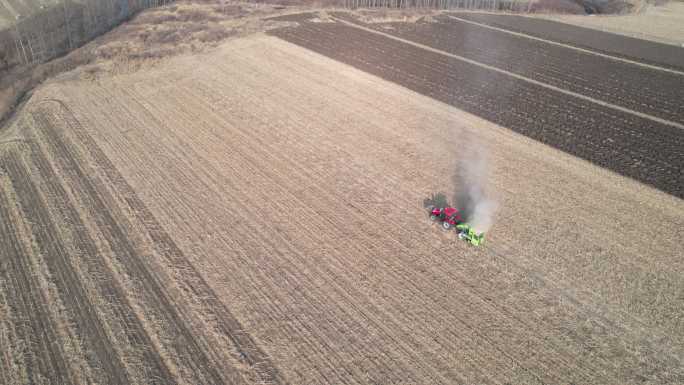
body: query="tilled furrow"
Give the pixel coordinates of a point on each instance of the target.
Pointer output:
(186, 343)
(91, 258)
(227, 323)
(82, 314)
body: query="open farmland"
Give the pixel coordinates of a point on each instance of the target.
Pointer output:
(255, 215)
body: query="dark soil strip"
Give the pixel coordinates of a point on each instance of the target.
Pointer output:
(186, 344)
(665, 55)
(82, 313)
(641, 89)
(91, 261)
(647, 151)
(42, 357)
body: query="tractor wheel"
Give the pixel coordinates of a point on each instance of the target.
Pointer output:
(446, 225)
(433, 217)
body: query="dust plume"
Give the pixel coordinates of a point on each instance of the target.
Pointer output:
(470, 180)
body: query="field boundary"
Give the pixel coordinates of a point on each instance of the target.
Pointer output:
(514, 75)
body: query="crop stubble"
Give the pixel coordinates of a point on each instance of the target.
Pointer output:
(117, 336)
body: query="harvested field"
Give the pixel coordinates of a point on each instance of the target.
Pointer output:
(630, 144)
(254, 215)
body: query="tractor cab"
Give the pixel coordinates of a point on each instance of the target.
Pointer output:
(449, 216)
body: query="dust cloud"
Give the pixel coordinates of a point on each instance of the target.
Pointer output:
(470, 180)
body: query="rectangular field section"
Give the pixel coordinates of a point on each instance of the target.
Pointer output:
(637, 147)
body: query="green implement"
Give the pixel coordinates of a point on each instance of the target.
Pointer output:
(469, 235)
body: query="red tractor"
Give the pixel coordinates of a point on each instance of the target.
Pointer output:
(449, 216)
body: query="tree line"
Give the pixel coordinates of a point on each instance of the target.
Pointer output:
(62, 25)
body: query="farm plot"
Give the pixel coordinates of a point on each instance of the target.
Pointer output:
(666, 55)
(637, 88)
(273, 199)
(645, 150)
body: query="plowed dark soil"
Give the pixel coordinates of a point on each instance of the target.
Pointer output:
(623, 46)
(627, 85)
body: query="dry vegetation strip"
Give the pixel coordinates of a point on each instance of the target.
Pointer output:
(95, 269)
(123, 249)
(42, 358)
(69, 283)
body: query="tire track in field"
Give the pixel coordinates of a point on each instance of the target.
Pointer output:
(82, 314)
(566, 45)
(630, 89)
(186, 344)
(244, 344)
(31, 318)
(640, 50)
(108, 288)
